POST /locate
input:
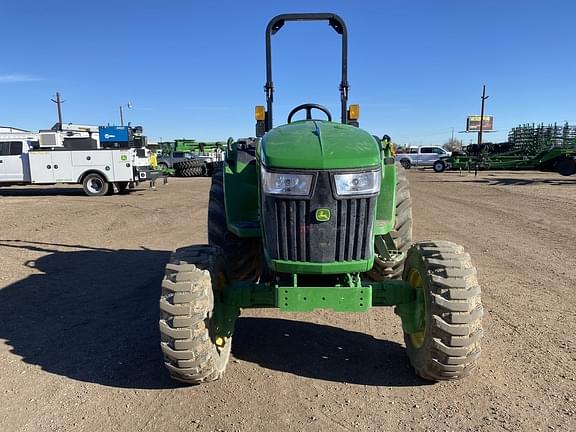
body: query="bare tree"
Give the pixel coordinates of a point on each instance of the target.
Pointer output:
(453, 144)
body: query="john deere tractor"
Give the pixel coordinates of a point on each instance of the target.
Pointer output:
(314, 214)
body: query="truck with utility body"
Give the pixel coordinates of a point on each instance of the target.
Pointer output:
(424, 156)
(70, 154)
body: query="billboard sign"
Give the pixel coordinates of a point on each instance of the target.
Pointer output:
(473, 123)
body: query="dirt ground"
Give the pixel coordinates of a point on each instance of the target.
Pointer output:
(79, 341)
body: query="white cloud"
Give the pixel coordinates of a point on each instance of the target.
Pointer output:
(15, 78)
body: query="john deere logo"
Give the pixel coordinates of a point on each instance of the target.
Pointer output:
(322, 215)
(124, 158)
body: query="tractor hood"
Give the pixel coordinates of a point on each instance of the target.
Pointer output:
(317, 144)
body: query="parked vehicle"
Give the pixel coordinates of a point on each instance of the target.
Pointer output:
(66, 156)
(167, 160)
(189, 158)
(184, 164)
(422, 156)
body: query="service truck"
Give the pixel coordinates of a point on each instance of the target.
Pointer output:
(67, 156)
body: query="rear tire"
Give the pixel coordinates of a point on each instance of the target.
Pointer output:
(194, 278)
(439, 166)
(95, 185)
(242, 253)
(402, 234)
(447, 343)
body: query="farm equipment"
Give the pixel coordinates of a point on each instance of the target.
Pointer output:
(189, 158)
(315, 214)
(529, 147)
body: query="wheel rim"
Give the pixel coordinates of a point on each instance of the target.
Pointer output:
(95, 185)
(416, 281)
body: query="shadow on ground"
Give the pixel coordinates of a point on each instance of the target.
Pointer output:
(562, 181)
(90, 315)
(40, 192)
(322, 352)
(51, 192)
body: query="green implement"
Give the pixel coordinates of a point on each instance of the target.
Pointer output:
(529, 147)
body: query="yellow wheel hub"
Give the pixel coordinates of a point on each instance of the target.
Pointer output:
(416, 281)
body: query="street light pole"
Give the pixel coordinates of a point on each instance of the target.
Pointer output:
(128, 105)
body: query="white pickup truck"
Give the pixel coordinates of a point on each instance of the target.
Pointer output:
(422, 156)
(41, 159)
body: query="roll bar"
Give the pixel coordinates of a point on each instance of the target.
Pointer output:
(276, 24)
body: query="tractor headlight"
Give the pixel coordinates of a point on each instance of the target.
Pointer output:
(360, 183)
(285, 183)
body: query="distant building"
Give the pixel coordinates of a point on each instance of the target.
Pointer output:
(8, 129)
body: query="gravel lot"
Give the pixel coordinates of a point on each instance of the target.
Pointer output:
(79, 288)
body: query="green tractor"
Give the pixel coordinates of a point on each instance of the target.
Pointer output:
(314, 214)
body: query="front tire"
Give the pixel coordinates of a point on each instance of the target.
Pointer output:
(443, 327)
(194, 280)
(95, 185)
(406, 164)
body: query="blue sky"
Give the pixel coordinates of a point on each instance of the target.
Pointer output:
(196, 68)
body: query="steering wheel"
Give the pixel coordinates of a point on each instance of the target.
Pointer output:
(309, 107)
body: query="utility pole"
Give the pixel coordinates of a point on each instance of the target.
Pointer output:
(452, 139)
(59, 103)
(484, 97)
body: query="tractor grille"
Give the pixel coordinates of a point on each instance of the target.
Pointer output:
(293, 234)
